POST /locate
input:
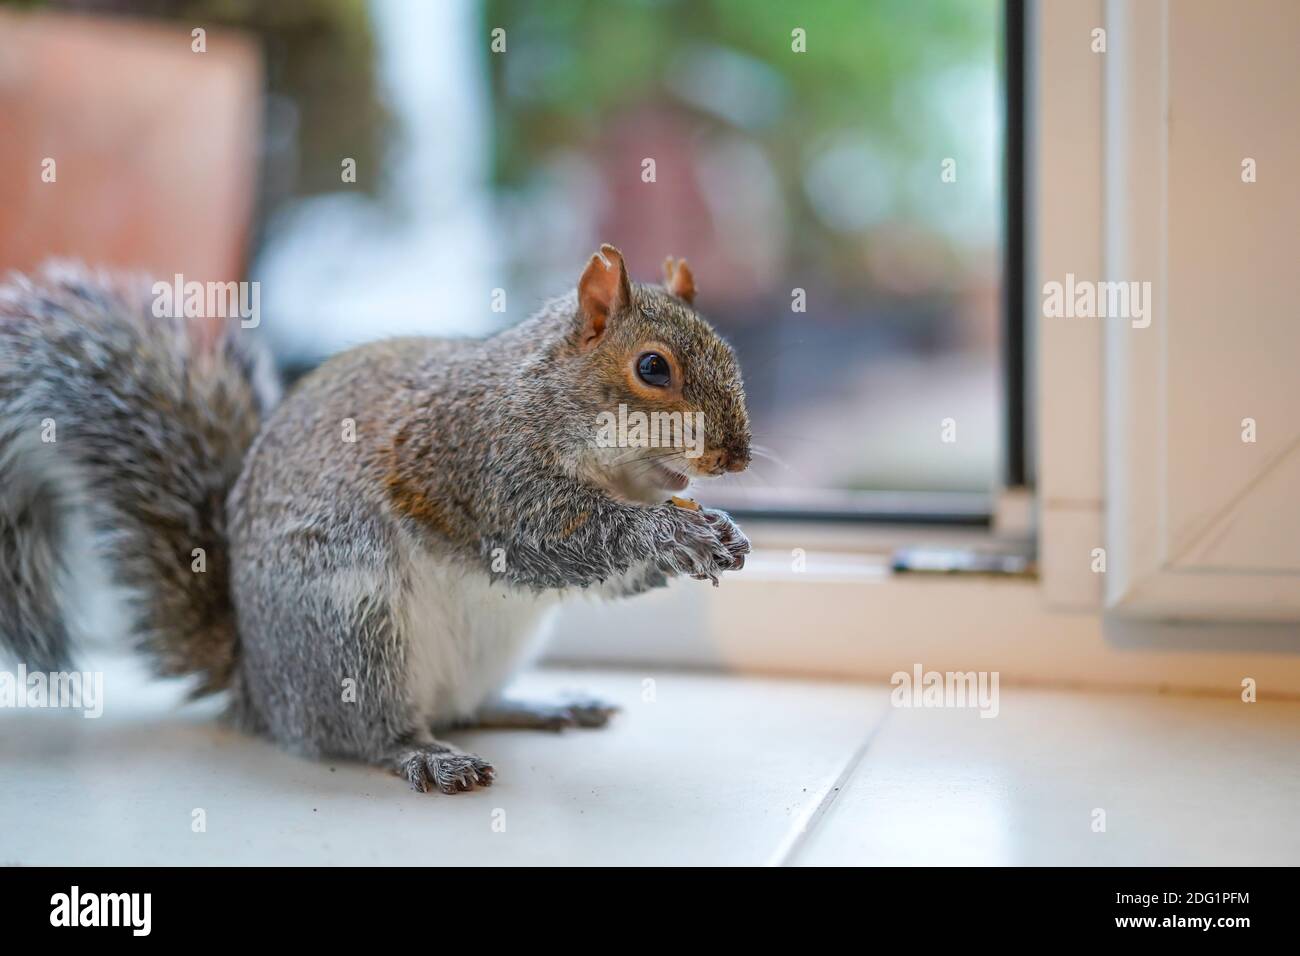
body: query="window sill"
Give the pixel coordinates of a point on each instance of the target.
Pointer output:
(847, 616)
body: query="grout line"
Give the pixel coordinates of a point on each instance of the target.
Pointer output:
(789, 848)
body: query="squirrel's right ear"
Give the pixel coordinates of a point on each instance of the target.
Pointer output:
(678, 279)
(602, 291)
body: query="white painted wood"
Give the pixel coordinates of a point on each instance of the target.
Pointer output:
(1065, 203)
(846, 616)
(1068, 544)
(1234, 287)
(1201, 525)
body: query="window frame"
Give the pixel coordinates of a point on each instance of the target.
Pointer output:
(1016, 472)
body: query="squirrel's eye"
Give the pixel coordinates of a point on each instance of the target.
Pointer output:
(652, 368)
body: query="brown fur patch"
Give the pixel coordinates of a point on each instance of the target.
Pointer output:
(575, 524)
(409, 499)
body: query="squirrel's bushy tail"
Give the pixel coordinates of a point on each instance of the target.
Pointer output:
(137, 424)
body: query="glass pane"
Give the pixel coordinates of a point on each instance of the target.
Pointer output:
(832, 172)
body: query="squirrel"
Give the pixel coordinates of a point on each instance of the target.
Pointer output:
(366, 563)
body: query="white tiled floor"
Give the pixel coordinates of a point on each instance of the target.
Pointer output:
(1181, 781)
(713, 770)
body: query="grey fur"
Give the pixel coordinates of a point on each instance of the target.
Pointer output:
(465, 451)
(151, 426)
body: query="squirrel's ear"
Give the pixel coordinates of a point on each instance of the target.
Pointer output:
(602, 291)
(678, 279)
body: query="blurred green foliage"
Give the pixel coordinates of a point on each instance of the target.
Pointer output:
(588, 58)
(853, 129)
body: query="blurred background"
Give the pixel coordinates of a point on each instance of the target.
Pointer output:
(496, 143)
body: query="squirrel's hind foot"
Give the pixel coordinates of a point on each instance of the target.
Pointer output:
(442, 766)
(526, 715)
(590, 712)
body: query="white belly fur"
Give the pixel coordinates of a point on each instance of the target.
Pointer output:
(466, 636)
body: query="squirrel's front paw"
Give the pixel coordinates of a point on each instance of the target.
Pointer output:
(444, 767)
(705, 543)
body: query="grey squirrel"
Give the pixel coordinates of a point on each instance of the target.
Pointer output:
(417, 563)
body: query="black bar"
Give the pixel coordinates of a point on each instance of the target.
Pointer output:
(960, 519)
(930, 508)
(943, 906)
(1015, 471)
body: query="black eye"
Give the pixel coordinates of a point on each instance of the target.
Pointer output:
(652, 368)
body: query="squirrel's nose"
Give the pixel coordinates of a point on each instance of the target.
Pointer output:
(725, 459)
(735, 459)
